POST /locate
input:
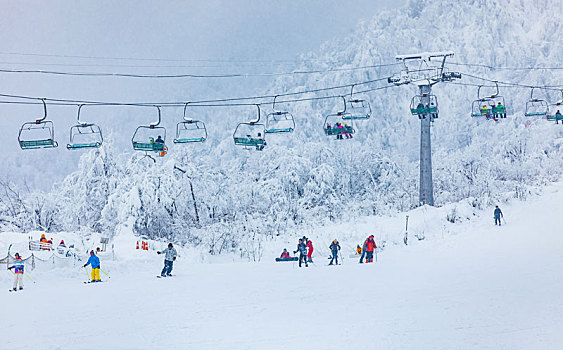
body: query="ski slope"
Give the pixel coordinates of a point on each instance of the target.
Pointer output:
(486, 287)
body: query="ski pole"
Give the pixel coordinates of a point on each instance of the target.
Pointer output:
(104, 272)
(86, 270)
(375, 250)
(26, 275)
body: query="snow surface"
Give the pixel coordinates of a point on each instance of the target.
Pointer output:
(485, 287)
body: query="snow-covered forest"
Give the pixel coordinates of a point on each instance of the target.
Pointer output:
(224, 199)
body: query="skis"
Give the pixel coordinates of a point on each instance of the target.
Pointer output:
(87, 282)
(164, 276)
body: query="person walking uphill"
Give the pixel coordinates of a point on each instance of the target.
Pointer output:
(94, 261)
(170, 255)
(498, 215)
(302, 249)
(334, 248)
(370, 247)
(18, 272)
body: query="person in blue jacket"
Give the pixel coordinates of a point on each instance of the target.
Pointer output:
(94, 261)
(498, 215)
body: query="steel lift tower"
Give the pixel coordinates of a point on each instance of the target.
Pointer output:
(424, 70)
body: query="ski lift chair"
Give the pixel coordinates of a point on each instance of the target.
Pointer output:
(146, 138)
(251, 135)
(536, 107)
(356, 108)
(419, 109)
(335, 126)
(279, 122)
(190, 131)
(84, 135)
(38, 134)
(490, 107)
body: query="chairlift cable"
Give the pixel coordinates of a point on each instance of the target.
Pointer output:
(158, 76)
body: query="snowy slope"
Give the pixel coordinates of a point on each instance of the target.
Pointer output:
(486, 287)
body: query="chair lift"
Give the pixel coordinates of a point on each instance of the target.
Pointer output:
(536, 107)
(419, 109)
(251, 135)
(334, 126)
(556, 111)
(487, 106)
(84, 135)
(279, 122)
(151, 138)
(356, 108)
(189, 130)
(38, 134)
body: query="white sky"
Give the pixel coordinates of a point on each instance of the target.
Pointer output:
(241, 29)
(208, 30)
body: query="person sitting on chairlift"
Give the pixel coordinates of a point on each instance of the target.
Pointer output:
(339, 135)
(558, 117)
(159, 140)
(500, 110)
(260, 146)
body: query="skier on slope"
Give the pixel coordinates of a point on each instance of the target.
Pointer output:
(170, 255)
(94, 261)
(309, 251)
(302, 249)
(369, 248)
(498, 215)
(18, 272)
(334, 248)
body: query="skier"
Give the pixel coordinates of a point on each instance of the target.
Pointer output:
(334, 248)
(169, 258)
(369, 248)
(95, 262)
(309, 251)
(302, 249)
(18, 272)
(498, 215)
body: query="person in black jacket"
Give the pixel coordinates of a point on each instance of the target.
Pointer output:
(498, 215)
(334, 248)
(302, 249)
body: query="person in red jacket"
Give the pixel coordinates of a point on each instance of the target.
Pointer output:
(285, 254)
(310, 250)
(370, 247)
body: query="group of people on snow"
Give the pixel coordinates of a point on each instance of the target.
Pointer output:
(305, 250)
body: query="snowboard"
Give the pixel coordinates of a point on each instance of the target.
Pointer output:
(293, 258)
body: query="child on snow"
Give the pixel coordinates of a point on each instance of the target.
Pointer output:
(18, 272)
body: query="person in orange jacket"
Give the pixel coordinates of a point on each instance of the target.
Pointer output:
(370, 247)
